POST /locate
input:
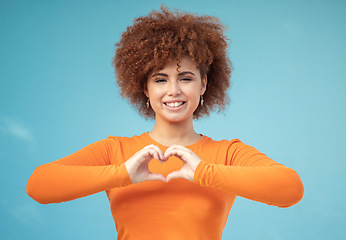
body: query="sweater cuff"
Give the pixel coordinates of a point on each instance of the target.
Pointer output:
(125, 178)
(199, 172)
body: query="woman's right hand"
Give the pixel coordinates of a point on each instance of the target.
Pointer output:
(137, 165)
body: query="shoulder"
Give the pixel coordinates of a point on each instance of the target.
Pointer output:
(209, 142)
(231, 146)
(234, 151)
(120, 139)
(121, 148)
(216, 151)
(135, 142)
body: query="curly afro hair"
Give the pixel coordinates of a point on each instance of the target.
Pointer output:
(154, 40)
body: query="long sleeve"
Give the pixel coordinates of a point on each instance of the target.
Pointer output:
(80, 174)
(251, 174)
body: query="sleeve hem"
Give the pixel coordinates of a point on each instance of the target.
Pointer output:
(198, 172)
(126, 176)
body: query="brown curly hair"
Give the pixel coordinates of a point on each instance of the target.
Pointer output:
(156, 39)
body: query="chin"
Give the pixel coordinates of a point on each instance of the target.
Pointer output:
(177, 119)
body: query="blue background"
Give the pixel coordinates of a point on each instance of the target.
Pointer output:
(58, 94)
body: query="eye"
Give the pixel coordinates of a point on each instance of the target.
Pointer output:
(186, 79)
(160, 80)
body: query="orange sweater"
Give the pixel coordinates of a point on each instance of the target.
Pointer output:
(179, 209)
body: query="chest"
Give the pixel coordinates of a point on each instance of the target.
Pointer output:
(174, 200)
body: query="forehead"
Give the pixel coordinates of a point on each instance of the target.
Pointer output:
(185, 64)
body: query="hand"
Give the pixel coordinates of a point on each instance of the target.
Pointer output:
(137, 165)
(188, 157)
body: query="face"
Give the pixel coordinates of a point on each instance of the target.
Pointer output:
(175, 93)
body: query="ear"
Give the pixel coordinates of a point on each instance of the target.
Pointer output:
(204, 84)
(145, 89)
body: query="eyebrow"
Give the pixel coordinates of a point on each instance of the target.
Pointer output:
(179, 74)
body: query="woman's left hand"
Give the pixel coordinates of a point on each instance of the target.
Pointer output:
(188, 157)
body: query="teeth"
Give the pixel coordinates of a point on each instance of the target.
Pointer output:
(174, 104)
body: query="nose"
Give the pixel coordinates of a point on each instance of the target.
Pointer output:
(173, 88)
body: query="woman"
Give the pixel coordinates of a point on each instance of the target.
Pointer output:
(170, 183)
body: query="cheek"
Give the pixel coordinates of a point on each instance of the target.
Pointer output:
(155, 95)
(151, 91)
(194, 99)
(195, 92)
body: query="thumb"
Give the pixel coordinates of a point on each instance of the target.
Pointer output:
(174, 175)
(156, 177)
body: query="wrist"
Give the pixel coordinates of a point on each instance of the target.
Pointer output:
(194, 167)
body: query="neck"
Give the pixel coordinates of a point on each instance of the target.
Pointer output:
(170, 133)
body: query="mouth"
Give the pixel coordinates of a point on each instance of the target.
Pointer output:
(174, 104)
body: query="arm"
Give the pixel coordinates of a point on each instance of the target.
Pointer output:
(251, 174)
(80, 174)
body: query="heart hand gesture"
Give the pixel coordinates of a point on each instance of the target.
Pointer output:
(137, 165)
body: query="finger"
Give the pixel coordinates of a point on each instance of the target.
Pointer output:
(153, 154)
(156, 177)
(174, 175)
(178, 152)
(171, 150)
(159, 152)
(159, 156)
(187, 156)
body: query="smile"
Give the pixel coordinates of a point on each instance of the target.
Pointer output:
(174, 104)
